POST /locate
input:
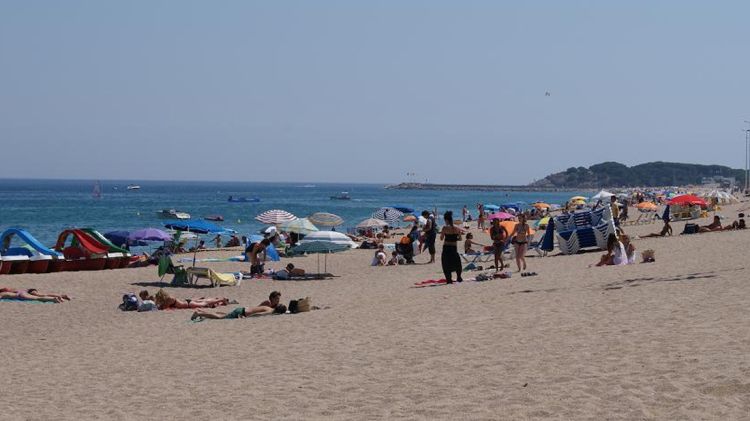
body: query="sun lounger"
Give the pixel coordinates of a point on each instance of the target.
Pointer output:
(216, 278)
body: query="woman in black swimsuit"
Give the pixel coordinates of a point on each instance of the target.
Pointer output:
(450, 259)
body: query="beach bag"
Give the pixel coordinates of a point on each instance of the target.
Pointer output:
(691, 229)
(129, 302)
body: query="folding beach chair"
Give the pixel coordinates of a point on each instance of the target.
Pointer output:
(216, 278)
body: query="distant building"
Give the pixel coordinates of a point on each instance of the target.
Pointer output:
(719, 182)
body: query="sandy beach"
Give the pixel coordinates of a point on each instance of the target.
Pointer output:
(664, 341)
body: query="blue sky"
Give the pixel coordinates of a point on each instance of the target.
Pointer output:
(355, 91)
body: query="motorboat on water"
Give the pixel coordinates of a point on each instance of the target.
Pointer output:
(217, 218)
(133, 187)
(173, 214)
(344, 195)
(240, 199)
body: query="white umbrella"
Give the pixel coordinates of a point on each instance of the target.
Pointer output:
(602, 195)
(300, 226)
(275, 217)
(330, 237)
(324, 219)
(372, 223)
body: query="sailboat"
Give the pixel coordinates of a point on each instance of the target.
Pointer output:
(97, 193)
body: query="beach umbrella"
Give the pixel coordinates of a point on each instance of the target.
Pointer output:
(324, 219)
(198, 227)
(542, 223)
(300, 226)
(548, 241)
(275, 216)
(410, 218)
(541, 205)
(372, 223)
(501, 216)
(577, 199)
(149, 234)
(319, 247)
(687, 200)
(646, 207)
(120, 238)
(602, 195)
(665, 216)
(402, 208)
(491, 207)
(331, 237)
(388, 214)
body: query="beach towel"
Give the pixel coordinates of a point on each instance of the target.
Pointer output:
(16, 300)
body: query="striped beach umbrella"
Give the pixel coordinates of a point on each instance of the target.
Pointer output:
(300, 226)
(372, 223)
(324, 219)
(389, 215)
(275, 216)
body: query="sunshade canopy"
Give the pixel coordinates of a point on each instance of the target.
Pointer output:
(325, 219)
(275, 216)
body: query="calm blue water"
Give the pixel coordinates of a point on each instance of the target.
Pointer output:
(46, 207)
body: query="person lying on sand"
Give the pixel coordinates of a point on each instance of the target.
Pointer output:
(32, 294)
(666, 230)
(714, 226)
(737, 225)
(164, 301)
(240, 312)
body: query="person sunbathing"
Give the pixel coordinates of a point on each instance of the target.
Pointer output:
(666, 230)
(164, 301)
(469, 242)
(240, 312)
(714, 226)
(32, 294)
(737, 225)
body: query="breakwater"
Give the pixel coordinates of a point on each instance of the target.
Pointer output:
(473, 187)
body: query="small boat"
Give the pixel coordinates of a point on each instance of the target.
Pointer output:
(173, 214)
(344, 195)
(218, 218)
(133, 187)
(239, 199)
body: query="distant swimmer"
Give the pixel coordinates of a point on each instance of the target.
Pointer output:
(547, 94)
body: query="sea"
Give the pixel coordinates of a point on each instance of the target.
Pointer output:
(47, 207)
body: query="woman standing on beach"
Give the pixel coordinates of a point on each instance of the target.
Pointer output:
(480, 218)
(521, 240)
(450, 259)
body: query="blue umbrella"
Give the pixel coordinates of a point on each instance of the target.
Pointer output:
(121, 237)
(665, 217)
(198, 227)
(548, 241)
(149, 234)
(402, 208)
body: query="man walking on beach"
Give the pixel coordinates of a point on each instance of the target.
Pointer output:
(430, 235)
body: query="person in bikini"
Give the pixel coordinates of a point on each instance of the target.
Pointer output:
(521, 235)
(714, 226)
(164, 301)
(499, 235)
(666, 230)
(451, 261)
(469, 243)
(32, 294)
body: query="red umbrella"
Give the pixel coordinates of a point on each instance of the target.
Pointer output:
(688, 200)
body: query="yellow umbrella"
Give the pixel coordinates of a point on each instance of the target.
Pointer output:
(542, 223)
(578, 199)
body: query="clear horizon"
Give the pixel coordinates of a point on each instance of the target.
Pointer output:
(475, 92)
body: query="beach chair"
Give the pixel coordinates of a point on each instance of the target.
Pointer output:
(215, 278)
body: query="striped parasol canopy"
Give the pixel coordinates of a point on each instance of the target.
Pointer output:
(300, 226)
(275, 216)
(372, 223)
(325, 219)
(389, 215)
